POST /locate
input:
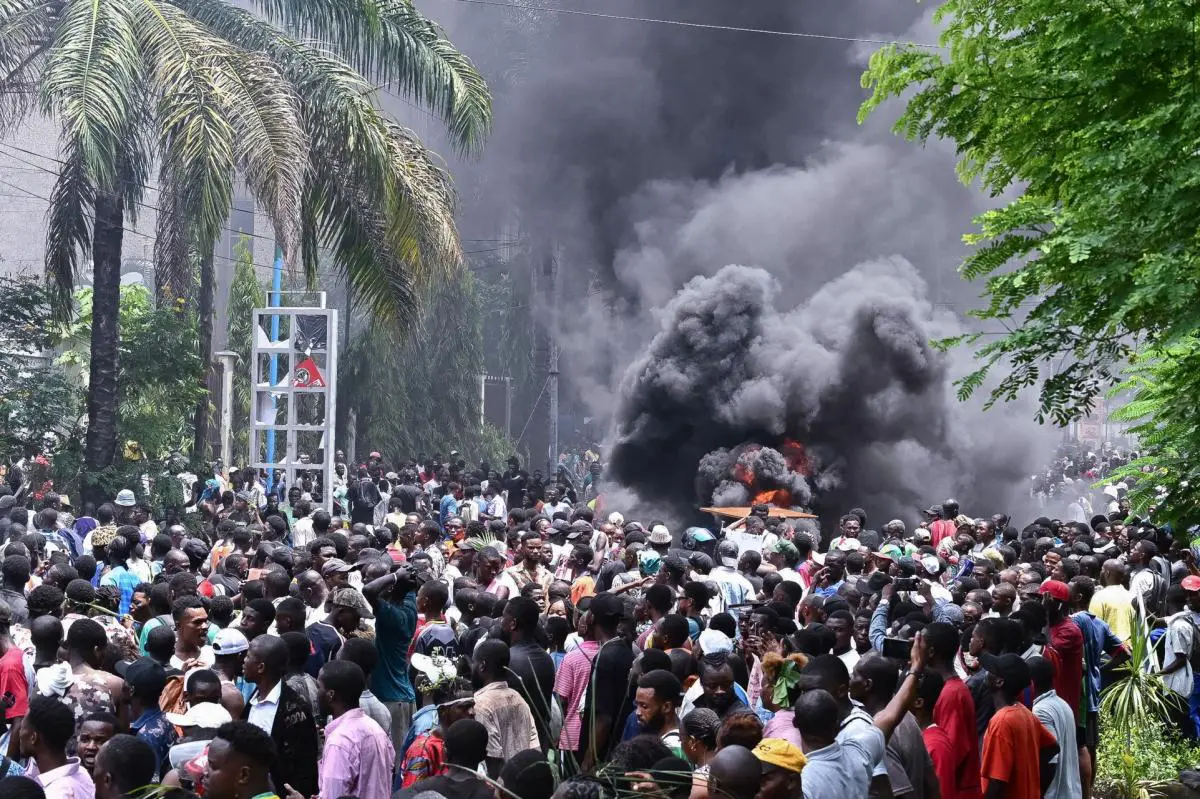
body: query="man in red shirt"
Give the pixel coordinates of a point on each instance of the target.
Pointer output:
(944, 527)
(954, 712)
(937, 742)
(1067, 640)
(12, 671)
(1017, 749)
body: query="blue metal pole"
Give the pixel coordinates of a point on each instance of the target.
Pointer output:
(276, 288)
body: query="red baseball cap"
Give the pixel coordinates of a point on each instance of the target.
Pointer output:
(1056, 589)
(1191, 583)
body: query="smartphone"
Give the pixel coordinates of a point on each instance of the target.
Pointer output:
(897, 649)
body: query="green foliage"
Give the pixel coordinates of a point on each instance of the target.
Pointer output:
(1137, 698)
(418, 393)
(1133, 711)
(1160, 385)
(158, 372)
(245, 294)
(1090, 107)
(1132, 767)
(37, 397)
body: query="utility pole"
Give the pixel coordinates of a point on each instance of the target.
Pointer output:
(352, 414)
(552, 372)
(228, 364)
(274, 302)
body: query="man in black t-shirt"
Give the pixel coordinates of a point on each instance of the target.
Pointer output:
(408, 494)
(531, 669)
(516, 480)
(604, 708)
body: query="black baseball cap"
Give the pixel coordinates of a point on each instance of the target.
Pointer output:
(606, 606)
(1010, 668)
(145, 676)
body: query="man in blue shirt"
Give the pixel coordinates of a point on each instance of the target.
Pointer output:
(1098, 641)
(119, 574)
(834, 575)
(145, 680)
(449, 505)
(393, 599)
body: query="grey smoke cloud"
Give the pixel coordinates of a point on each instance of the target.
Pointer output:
(651, 155)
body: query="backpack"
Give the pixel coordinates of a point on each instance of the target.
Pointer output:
(1151, 599)
(172, 700)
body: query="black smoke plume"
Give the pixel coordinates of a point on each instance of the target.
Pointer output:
(850, 374)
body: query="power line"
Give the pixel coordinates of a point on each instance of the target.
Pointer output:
(30, 195)
(157, 210)
(704, 26)
(36, 167)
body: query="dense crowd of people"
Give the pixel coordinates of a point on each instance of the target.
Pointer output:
(467, 633)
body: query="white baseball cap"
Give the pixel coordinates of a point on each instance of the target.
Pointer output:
(206, 715)
(230, 641)
(711, 641)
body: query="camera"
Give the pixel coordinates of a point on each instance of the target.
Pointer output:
(907, 583)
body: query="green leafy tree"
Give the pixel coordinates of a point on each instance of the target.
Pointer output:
(1160, 385)
(1089, 110)
(417, 393)
(245, 294)
(1089, 107)
(37, 398)
(205, 90)
(156, 380)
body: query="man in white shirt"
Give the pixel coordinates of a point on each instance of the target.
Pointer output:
(784, 556)
(1057, 717)
(734, 589)
(302, 526)
(1178, 645)
(555, 504)
(495, 503)
(283, 714)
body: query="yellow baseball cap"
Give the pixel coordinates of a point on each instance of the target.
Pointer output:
(781, 753)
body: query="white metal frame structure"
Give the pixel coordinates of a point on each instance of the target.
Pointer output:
(265, 353)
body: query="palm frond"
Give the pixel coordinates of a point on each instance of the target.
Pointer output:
(91, 81)
(196, 140)
(25, 31)
(391, 40)
(68, 231)
(374, 194)
(423, 194)
(271, 146)
(358, 235)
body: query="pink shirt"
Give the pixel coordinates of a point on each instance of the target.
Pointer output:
(570, 684)
(357, 760)
(65, 782)
(782, 726)
(754, 689)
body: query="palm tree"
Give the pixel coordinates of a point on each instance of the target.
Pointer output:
(206, 90)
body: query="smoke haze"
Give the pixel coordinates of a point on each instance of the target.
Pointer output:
(654, 158)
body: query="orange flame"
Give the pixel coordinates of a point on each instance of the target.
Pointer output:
(796, 456)
(777, 496)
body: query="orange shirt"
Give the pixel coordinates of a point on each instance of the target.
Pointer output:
(1011, 750)
(585, 585)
